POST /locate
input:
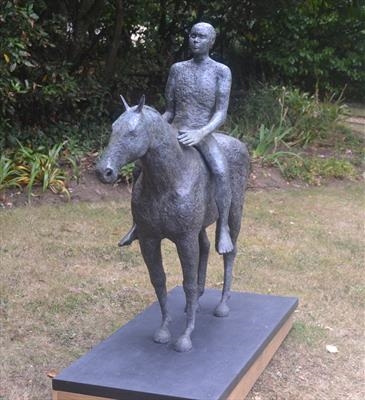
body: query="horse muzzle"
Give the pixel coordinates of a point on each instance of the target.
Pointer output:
(106, 174)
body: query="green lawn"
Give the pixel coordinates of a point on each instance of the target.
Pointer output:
(65, 286)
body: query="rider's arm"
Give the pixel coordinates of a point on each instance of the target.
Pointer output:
(219, 116)
(222, 101)
(169, 114)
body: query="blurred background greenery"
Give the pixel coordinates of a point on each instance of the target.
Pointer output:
(64, 63)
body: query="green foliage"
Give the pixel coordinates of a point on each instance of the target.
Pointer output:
(352, 143)
(8, 173)
(29, 167)
(256, 107)
(314, 44)
(269, 116)
(43, 98)
(280, 159)
(81, 136)
(270, 139)
(63, 64)
(310, 118)
(127, 173)
(314, 170)
(290, 119)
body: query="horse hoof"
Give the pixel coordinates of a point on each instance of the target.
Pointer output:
(162, 336)
(183, 344)
(222, 310)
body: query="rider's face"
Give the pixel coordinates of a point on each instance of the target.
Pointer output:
(200, 40)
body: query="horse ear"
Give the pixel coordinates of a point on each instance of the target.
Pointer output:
(141, 103)
(125, 103)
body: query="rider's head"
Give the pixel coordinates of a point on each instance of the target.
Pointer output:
(201, 38)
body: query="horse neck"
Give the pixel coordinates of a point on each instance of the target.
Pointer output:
(164, 162)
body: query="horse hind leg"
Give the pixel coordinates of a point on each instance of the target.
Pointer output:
(151, 252)
(222, 309)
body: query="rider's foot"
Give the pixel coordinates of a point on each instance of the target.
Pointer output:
(129, 237)
(224, 244)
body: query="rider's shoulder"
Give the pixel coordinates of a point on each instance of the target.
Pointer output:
(178, 66)
(221, 68)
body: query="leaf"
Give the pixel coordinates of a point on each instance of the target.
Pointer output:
(7, 58)
(331, 348)
(24, 53)
(29, 64)
(52, 373)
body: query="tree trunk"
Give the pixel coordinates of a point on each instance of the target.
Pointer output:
(113, 50)
(84, 14)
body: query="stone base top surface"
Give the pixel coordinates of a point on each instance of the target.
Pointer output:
(129, 365)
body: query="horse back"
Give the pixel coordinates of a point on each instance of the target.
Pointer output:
(238, 159)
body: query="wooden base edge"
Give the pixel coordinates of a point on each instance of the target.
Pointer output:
(244, 386)
(59, 395)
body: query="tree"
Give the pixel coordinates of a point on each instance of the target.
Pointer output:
(63, 64)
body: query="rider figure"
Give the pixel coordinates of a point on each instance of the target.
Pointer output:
(197, 97)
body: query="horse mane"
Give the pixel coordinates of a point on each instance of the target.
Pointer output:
(151, 113)
(150, 108)
(169, 127)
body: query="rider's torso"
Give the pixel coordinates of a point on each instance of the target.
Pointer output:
(195, 93)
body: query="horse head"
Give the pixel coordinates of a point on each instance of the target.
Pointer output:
(128, 142)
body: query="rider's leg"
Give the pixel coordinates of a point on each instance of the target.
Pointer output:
(129, 237)
(217, 162)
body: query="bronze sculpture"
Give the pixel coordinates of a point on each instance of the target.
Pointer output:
(197, 97)
(191, 177)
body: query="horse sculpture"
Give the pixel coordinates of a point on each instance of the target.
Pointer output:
(173, 198)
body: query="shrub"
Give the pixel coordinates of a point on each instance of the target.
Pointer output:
(8, 173)
(256, 107)
(81, 136)
(27, 167)
(126, 172)
(270, 139)
(310, 118)
(303, 117)
(314, 170)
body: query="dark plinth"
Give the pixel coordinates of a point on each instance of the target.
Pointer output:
(228, 355)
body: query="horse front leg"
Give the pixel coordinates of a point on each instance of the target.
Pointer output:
(204, 246)
(222, 309)
(151, 252)
(188, 251)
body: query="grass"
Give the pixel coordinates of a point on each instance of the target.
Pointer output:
(65, 286)
(356, 110)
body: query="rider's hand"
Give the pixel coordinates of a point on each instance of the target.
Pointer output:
(191, 137)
